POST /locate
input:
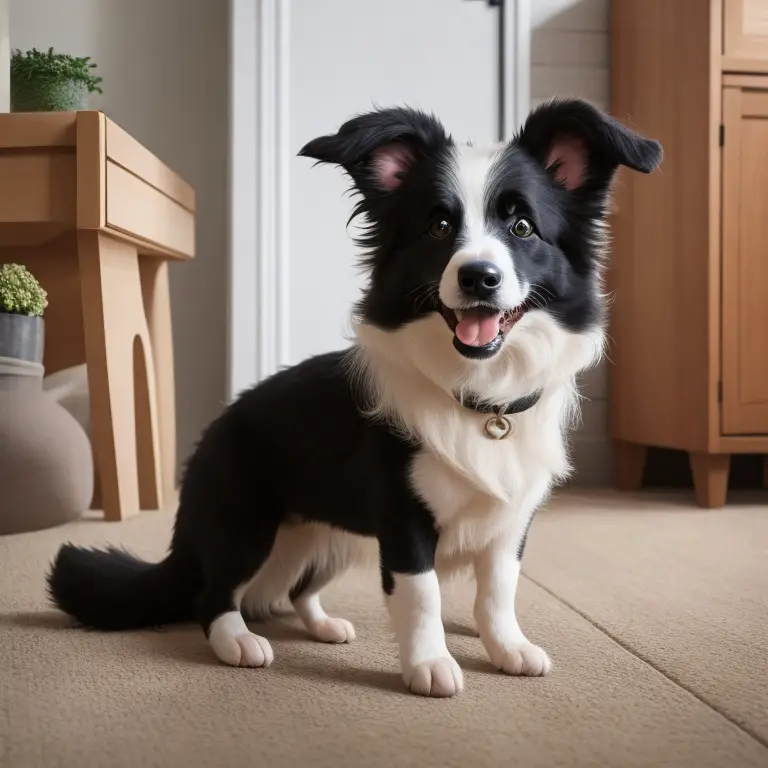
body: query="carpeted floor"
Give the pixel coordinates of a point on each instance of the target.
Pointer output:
(655, 614)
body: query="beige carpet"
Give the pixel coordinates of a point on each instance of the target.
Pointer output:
(655, 613)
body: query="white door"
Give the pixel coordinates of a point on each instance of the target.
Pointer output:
(320, 63)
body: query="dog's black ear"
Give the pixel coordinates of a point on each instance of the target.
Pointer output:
(581, 145)
(379, 148)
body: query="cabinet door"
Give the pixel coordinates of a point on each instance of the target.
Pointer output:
(745, 262)
(745, 35)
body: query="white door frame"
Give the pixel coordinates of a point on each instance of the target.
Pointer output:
(259, 316)
(516, 58)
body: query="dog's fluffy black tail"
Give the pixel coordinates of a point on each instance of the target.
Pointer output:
(113, 590)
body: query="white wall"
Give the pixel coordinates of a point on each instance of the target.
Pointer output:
(322, 252)
(569, 55)
(165, 70)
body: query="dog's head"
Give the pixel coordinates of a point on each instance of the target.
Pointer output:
(483, 245)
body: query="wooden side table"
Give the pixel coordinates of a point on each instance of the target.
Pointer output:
(96, 218)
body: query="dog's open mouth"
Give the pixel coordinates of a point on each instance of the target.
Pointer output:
(478, 332)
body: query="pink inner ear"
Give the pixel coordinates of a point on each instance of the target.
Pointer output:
(571, 155)
(391, 163)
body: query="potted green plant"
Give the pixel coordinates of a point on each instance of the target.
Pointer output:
(46, 465)
(51, 82)
(22, 303)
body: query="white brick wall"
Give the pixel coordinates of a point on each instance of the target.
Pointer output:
(569, 49)
(569, 57)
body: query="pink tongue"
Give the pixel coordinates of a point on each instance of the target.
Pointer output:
(476, 330)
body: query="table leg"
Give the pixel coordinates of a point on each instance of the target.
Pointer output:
(121, 376)
(157, 307)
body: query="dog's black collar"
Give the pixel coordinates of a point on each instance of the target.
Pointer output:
(479, 405)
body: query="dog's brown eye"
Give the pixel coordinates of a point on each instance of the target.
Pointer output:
(522, 228)
(440, 227)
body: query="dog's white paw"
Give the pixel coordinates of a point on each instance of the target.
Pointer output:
(523, 659)
(439, 678)
(246, 650)
(235, 645)
(255, 651)
(331, 630)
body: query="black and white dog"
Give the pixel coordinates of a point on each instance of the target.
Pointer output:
(438, 432)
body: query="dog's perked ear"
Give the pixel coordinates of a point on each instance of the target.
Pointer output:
(582, 147)
(379, 148)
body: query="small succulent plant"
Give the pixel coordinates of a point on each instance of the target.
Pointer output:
(39, 65)
(20, 293)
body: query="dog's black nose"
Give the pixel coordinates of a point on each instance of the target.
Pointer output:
(479, 279)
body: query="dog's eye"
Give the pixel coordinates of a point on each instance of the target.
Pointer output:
(522, 228)
(440, 227)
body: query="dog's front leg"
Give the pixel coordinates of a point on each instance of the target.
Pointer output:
(413, 600)
(497, 570)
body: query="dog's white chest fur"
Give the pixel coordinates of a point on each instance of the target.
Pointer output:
(479, 489)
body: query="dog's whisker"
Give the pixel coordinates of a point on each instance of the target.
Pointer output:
(538, 296)
(426, 292)
(429, 284)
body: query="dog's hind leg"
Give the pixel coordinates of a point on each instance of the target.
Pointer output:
(305, 558)
(228, 569)
(305, 597)
(333, 551)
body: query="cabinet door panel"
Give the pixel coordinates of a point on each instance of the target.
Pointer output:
(745, 262)
(745, 35)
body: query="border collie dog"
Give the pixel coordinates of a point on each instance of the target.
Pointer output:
(440, 430)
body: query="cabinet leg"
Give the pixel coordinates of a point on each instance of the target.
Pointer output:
(629, 465)
(710, 478)
(765, 472)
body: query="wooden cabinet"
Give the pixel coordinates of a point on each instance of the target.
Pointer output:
(689, 270)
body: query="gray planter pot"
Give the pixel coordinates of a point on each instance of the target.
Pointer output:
(48, 96)
(22, 337)
(46, 465)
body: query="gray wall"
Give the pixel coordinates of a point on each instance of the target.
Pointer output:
(5, 63)
(165, 70)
